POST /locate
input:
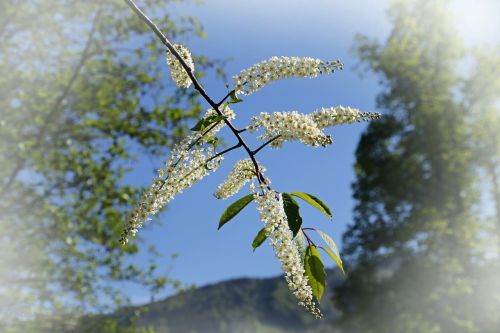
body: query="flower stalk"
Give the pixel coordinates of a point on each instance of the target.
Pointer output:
(195, 157)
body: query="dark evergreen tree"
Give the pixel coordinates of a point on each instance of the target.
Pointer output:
(414, 238)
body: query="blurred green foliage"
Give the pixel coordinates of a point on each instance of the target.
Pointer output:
(82, 95)
(416, 253)
(481, 91)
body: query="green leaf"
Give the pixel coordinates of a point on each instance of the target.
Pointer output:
(292, 213)
(198, 125)
(214, 141)
(329, 241)
(234, 98)
(315, 202)
(333, 252)
(234, 209)
(336, 259)
(301, 243)
(205, 122)
(259, 239)
(315, 272)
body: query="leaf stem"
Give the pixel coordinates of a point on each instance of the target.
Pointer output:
(309, 240)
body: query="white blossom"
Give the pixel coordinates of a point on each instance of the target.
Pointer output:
(187, 164)
(276, 68)
(327, 117)
(270, 207)
(242, 173)
(177, 72)
(289, 126)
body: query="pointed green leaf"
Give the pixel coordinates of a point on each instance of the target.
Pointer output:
(234, 209)
(332, 250)
(259, 239)
(329, 241)
(336, 259)
(215, 119)
(315, 202)
(205, 122)
(198, 125)
(301, 243)
(292, 213)
(315, 272)
(214, 141)
(234, 98)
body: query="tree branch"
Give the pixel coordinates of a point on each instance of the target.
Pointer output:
(57, 105)
(225, 97)
(197, 85)
(265, 144)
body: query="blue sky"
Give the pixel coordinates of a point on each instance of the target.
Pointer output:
(248, 32)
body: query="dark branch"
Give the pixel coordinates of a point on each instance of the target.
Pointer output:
(197, 85)
(225, 151)
(225, 97)
(265, 144)
(203, 134)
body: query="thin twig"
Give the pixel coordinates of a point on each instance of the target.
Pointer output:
(224, 151)
(265, 144)
(210, 159)
(225, 97)
(203, 134)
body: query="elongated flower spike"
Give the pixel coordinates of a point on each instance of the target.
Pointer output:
(186, 165)
(259, 75)
(177, 72)
(242, 173)
(339, 115)
(270, 206)
(289, 126)
(306, 128)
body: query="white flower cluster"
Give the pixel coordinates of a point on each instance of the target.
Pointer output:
(289, 126)
(187, 164)
(242, 173)
(259, 75)
(177, 72)
(183, 169)
(270, 206)
(307, 128)
(328, 117)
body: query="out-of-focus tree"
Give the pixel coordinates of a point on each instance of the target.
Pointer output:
(81, 95)
(481, 98)
(415, 236)
(481, 92)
